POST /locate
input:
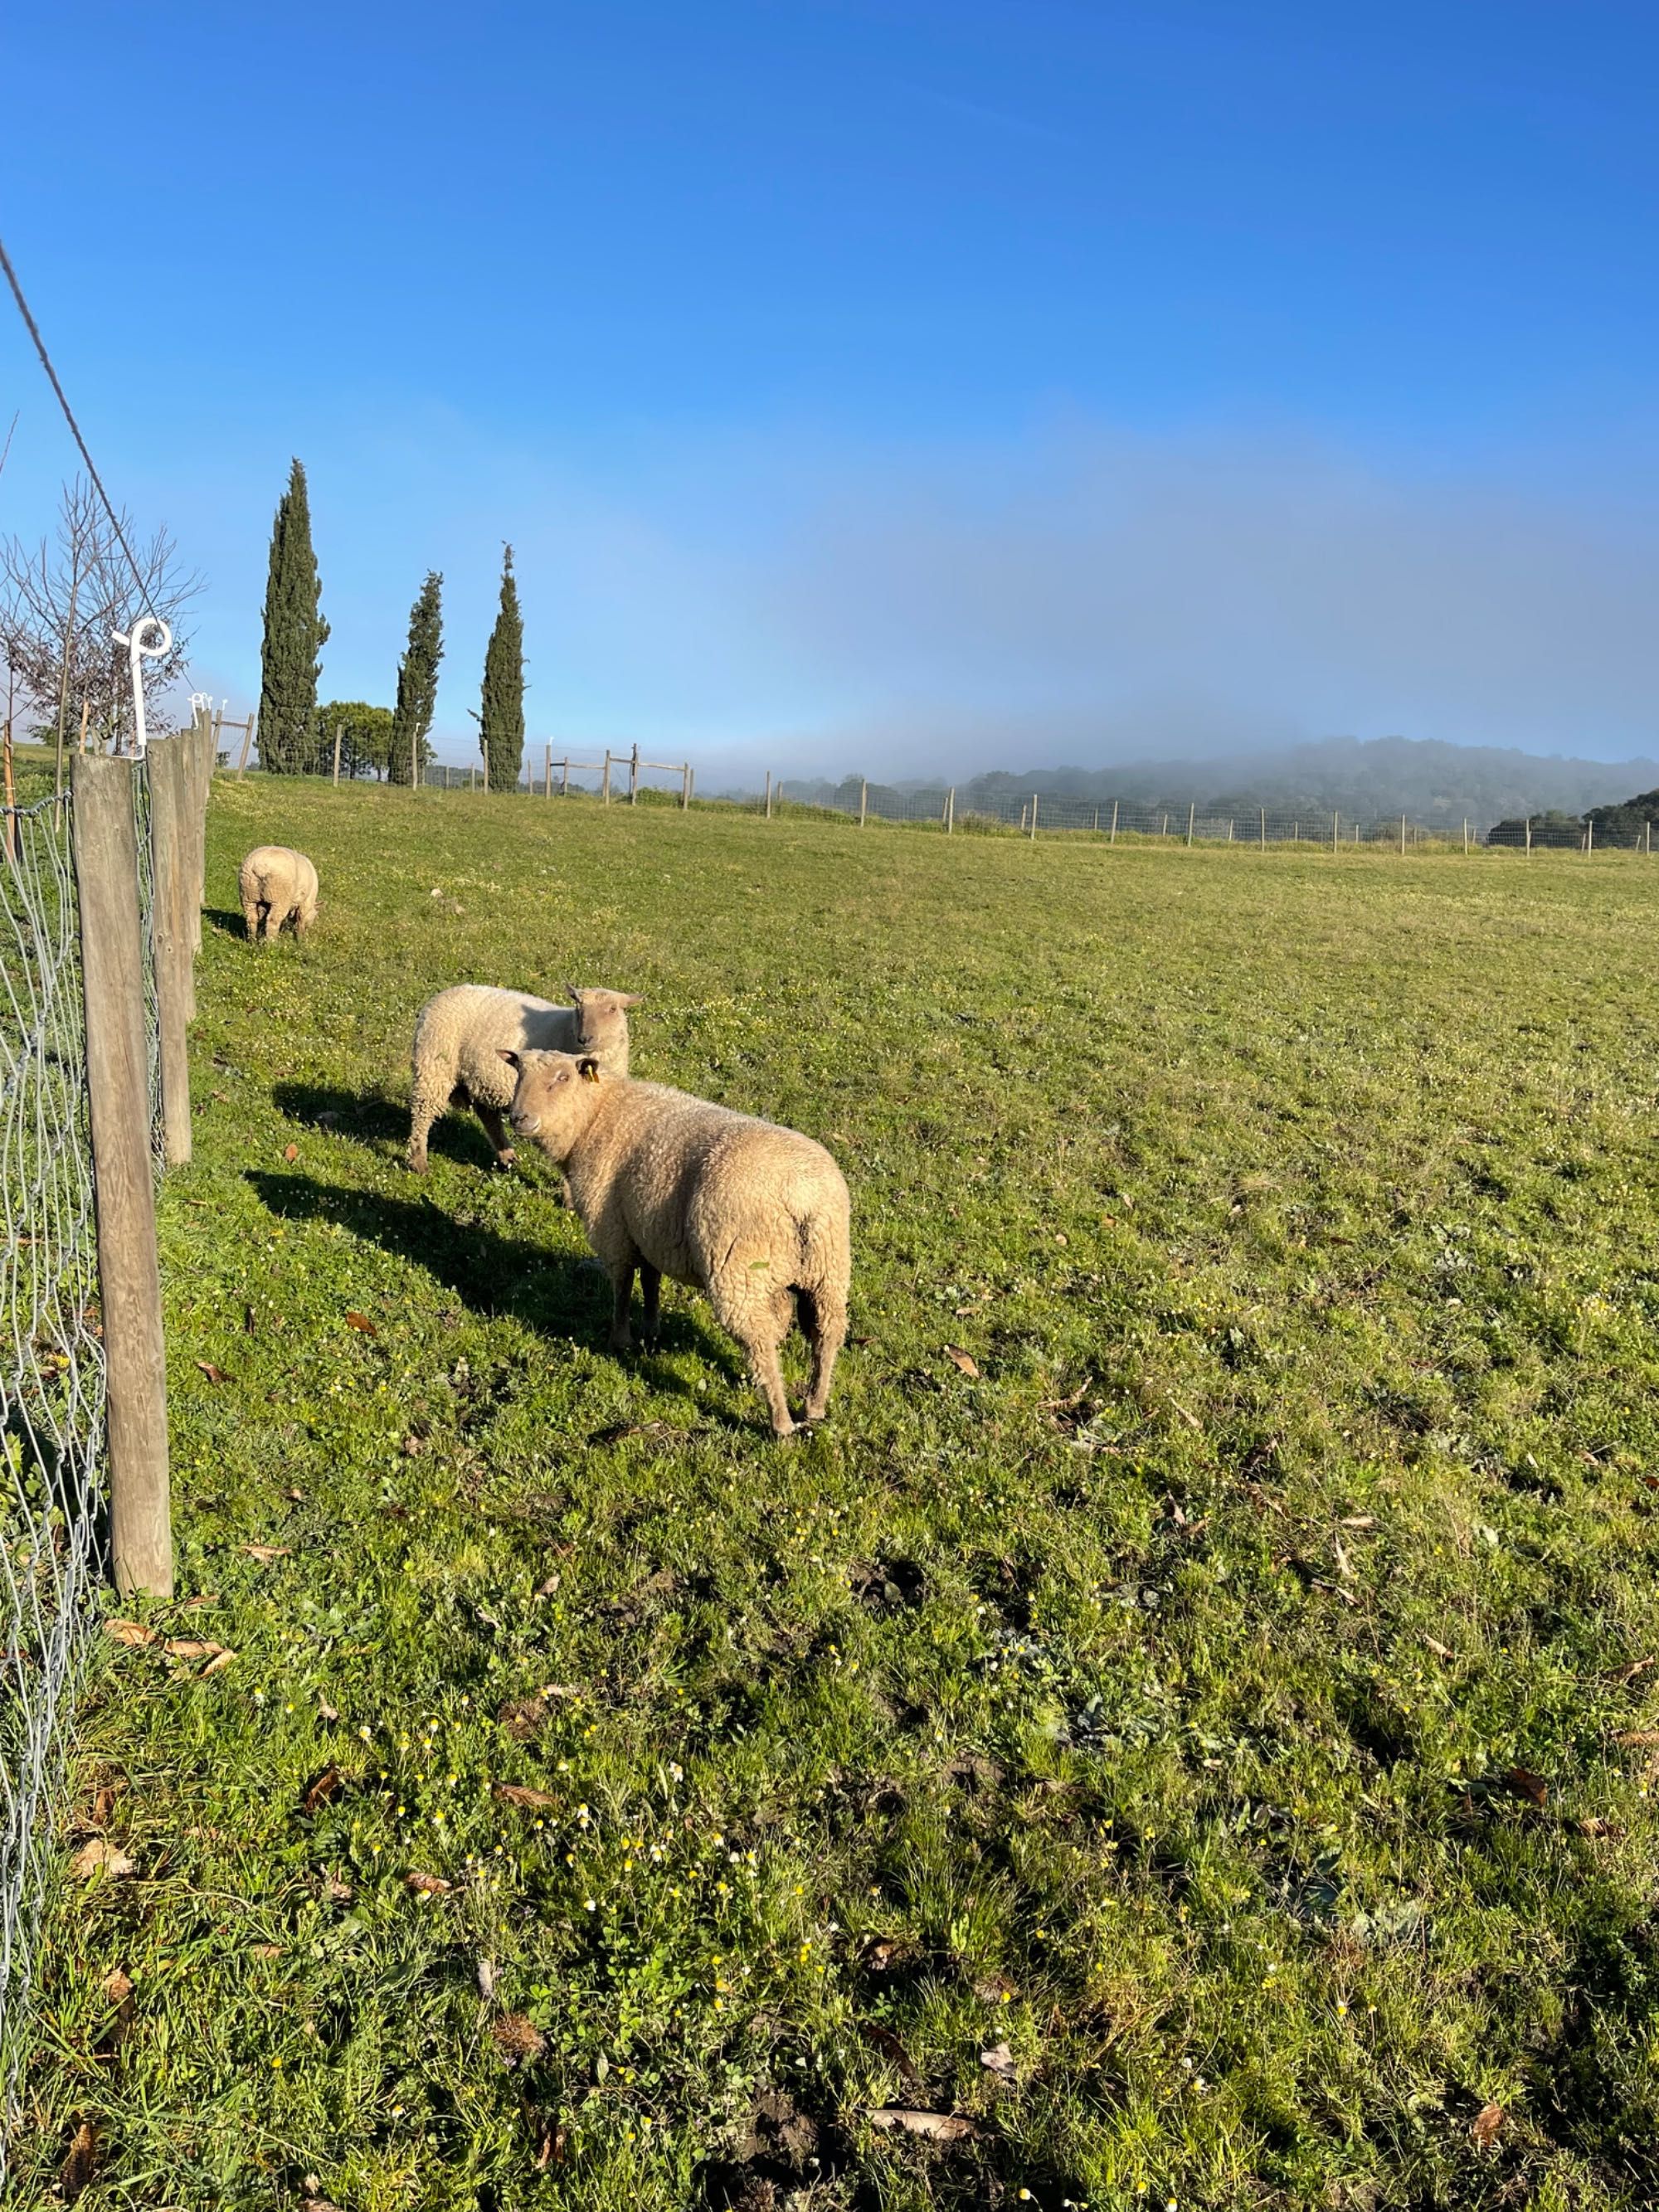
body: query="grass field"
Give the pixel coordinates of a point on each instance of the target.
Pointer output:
(1187, 1715)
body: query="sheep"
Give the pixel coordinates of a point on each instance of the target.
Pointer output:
(277, 885)
(458, 1038)
(755, 1215)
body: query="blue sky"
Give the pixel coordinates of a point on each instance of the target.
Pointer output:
(881, 386)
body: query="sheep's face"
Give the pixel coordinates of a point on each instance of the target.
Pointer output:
(553, 1098)
(602, 1022)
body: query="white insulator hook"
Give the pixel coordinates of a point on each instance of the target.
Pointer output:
(137, 654)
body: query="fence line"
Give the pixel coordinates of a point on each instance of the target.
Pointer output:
(99, 904)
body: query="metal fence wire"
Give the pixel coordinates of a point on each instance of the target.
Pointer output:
(53, 1475)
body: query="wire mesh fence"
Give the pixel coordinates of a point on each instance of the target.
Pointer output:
(52, 1375)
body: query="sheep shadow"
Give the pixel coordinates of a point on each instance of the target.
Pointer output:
(369, 1117)
(554, 1293)
(227, 921)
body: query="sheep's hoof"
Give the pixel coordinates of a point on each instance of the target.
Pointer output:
(416, 1166)
(506, 1160)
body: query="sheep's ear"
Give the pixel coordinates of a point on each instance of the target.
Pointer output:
(573, 994)
(511, 1058)
(629, 999)
(589, 1068)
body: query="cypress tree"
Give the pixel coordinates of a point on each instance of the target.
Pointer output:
(501, 723)
(295, 635)
(417, 681)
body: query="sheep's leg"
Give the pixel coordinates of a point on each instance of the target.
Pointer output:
(251, 920)
(768, 1371)
(823, 1322)
(496, 1130)
(650, 1291)
(301, 921)
(426, 1101)
(621, 1290)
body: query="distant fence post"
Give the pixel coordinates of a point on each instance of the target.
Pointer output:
(634, 777)
(1192, 807)
(864, 800)
(547, 771)
(336, 752)
(951, 810)
(1335, 820)
(1590, 836)
(1264, 829)
(1402, 837)
(604, 780)
(769, 794)
(1466, 836)
(685, 788)
(247, 741)
(1034, 813)
(106, 848)
(1112, 840)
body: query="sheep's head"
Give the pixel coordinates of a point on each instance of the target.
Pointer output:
(602, 1024)
(553, 1098)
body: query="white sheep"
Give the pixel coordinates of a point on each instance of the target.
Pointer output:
(755, 1215)
(460, 1035)
(277, 885)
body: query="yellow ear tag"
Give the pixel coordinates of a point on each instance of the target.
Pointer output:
(590, 1074)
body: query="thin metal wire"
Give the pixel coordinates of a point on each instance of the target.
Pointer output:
(27, 313)
(53, 1475)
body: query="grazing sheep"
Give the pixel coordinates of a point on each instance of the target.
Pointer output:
(460, 1035)
(277, 884)
(755, 1215)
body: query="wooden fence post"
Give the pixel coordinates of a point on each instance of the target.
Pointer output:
(1402, 837)
(1264, 829)
(634, 777)
(1034, 813)
(247, 740)
(769, 794)
(1192, 805)
(1335, 820)
(1466, 836)
(1112, 840)
(117, 1087)
(547, 771)
(864, 800)
(337, 753)
(604, 781)
(168, 768)
(686, 787)
(951, 811)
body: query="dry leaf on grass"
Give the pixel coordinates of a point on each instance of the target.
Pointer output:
(486, 1979)
(131, 1632)
(552, 2142)
(265, 1950)
(1487, 2122)
(217, 1665)
(515, 1793)
(78, 2168)
(290, 1152)
(1593, 1825)
(214, 1374)
(1637, 1739)
(267, 1552)
(963, 1361)
(428, 1884)
(1525, 1784)
(362, 1324)
(326, 1711)
(993, 1988)
(999, 2060)
(336, 1891)
(1627, 1673)
(187, 1647)
(319, 1792)
(117, 1985)
(314, 2200)
(932, 2127)
(518, 2040)
(1440, 1651)
(101, 1856)
(884, 2040)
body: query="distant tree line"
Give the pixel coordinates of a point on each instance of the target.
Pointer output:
(297, 735)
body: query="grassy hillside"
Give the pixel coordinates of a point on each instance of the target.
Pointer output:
(1188, 1716)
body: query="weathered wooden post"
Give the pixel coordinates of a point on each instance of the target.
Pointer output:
(1112, 840)
(247, 740)
(1590, 836)
(1335, 819)
(1466, 836)
(1264, 829)
(1192, 808)
(337, 754)
(1402, 837)
(106, 848)
(604, 781)
(634, 777)
(547, 769)
(769, 794)
(1034, 814)
(686, 787)
(170, 811)
(864, 800)
(951, 811)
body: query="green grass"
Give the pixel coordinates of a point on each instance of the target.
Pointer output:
(1160, 1701)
